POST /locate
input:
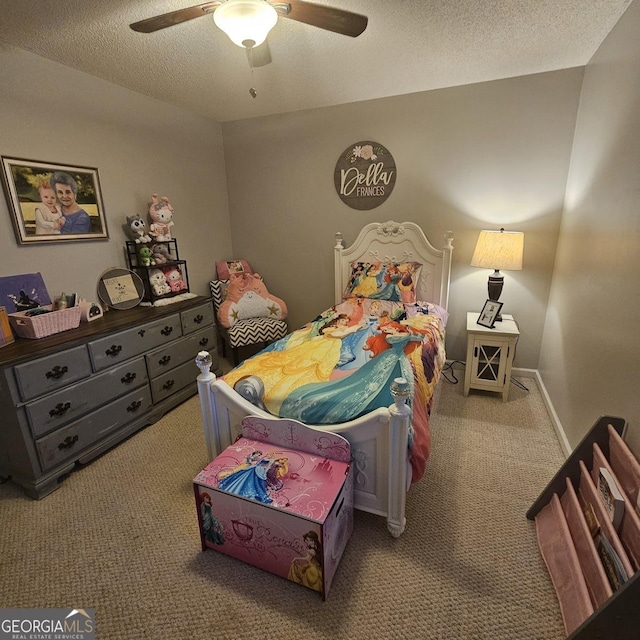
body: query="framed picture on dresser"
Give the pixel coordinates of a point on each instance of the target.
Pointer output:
(53, 202)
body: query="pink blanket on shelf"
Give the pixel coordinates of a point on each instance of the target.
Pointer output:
(340, 366)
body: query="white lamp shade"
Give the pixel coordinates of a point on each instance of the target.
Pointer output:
(499, 250)
(246, 22)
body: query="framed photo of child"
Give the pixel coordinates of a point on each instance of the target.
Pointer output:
(489, 313)
(53, 202)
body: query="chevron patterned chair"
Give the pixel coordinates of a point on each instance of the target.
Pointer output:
(247, 332)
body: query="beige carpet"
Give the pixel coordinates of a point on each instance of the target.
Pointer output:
(121, 536)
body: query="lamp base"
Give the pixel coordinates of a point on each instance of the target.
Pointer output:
(496, 280)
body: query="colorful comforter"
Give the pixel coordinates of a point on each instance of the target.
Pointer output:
(340, 366)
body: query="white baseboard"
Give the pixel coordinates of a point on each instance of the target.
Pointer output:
(535, 374)
(557, 425)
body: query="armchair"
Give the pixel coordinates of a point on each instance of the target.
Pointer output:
(244, 331)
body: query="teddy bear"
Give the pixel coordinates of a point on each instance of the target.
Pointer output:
(138, 229)
(161, 253)
(247, 297)
(161, 216)
(174, 279)
(145, 256)
(158, 282)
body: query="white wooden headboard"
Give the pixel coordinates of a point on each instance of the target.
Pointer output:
(397, 242)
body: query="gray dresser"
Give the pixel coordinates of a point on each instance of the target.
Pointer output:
(69, 397)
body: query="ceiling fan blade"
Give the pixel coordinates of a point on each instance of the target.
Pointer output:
(329, 18)
(259, 56)
(174, 17)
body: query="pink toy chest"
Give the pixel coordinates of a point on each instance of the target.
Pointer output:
(280, 498)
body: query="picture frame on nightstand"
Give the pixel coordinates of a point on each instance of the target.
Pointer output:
(489, 313)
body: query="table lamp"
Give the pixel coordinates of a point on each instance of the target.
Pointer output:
(498, 250)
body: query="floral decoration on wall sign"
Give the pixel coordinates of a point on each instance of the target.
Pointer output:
(365, 175)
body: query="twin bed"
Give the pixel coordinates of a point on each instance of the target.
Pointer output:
(366, 368)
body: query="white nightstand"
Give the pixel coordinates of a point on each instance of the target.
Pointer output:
(490, 355)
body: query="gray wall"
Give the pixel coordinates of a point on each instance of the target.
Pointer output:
(485, 155)
(590, 356)
(53, 113)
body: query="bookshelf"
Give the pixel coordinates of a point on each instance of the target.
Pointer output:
(591, 608)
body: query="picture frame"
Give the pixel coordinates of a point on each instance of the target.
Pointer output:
(23, 292)
(489, 313)
(120, 288)
(38, 207)
(6, 334)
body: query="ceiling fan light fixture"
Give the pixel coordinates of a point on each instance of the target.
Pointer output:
(246, 22)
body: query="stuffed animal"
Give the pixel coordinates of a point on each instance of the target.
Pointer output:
(247, 297)
(145, 256)
(158, 282)
(138, 229)
(174, 279)
(161, 216)
(161, 253)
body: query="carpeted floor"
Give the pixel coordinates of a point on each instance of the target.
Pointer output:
(121, 536)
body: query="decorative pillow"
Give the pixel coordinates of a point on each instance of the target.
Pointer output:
(247, 297)
(225, 269)
(384, 281)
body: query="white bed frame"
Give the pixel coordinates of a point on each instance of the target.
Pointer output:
(378, 440)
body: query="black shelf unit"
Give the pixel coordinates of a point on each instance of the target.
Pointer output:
(137, 264)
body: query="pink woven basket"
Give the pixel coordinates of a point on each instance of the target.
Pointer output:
(45, 324)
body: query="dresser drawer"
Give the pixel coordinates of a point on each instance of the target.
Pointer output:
(197, 318)
(127, 344)
(69, 441)
(60, 408)
(47, 374)
(180, 351)
(172, 381)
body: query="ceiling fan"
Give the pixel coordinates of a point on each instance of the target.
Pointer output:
(248, 22)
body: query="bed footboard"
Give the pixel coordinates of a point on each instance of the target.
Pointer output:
(379, 443)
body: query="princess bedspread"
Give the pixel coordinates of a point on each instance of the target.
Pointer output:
(340, 366)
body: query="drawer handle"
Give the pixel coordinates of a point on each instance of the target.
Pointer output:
(128, 379)
(68, 442)
(204, 342)
(166, 331)
(134, 406)
(142, 332)
(60, 409)
(198, 319)
(164, 360)
(114, 350)
(168, 384)
(57, 372)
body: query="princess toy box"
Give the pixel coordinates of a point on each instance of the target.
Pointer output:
(280, 498)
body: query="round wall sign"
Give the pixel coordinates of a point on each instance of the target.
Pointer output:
(365, 175)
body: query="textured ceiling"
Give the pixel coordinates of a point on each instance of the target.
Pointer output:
(408, 46)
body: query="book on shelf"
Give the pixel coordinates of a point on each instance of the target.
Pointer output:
(590, 517)
(611, 497)
(611, 562)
